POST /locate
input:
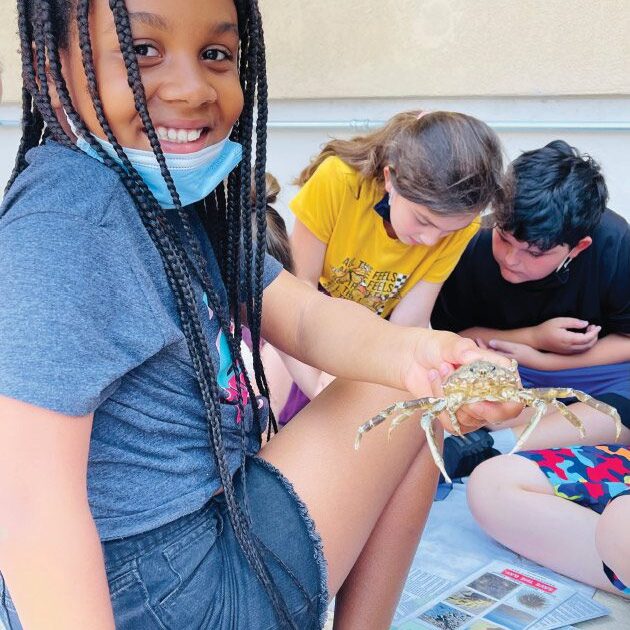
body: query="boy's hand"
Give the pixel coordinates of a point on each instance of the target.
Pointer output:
(555, 335)
(436, 356)
(520, 352)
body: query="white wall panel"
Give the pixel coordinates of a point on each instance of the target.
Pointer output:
(598, 126)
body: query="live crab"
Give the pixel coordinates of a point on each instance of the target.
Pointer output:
(485, 381)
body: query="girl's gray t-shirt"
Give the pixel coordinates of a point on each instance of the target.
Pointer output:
(88, 323)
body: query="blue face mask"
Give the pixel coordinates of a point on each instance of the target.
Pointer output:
(195, 175)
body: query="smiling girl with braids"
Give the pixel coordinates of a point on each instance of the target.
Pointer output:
(131, 494)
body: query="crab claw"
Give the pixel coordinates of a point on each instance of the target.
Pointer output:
(401, 417)
(357, 440)
(374, 422)
(427, 424)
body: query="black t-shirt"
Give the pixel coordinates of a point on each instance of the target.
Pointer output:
(595, 287)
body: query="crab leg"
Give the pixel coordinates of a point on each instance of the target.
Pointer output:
(426, 422)
(400, 418)
(435, 405)
(567, 392)
(456, 426)
(540, 406)
(403, 406)
(569, 415)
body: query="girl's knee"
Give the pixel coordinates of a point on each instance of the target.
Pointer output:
(497, 481)
(495, 475)
(485, 486)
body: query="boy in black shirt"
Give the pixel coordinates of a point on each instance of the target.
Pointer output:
(549, 285)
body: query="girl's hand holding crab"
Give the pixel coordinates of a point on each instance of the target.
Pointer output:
(435, 356)
(469, 375)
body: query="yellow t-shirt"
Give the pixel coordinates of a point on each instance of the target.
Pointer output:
(362, 263)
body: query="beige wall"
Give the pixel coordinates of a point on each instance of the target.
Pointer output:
(9, 58)
(399, 48)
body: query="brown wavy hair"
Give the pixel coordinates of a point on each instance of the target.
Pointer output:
(277, 238)
(449, 162)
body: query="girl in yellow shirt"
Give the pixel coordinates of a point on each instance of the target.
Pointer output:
(382, 219)
(387, 215)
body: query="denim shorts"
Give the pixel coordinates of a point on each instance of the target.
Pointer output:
(191, 574)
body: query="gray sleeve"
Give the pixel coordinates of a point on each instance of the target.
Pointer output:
(271, 270)
(73, 317)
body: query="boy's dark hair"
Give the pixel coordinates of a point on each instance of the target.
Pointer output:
(45, 29)
(559, 197)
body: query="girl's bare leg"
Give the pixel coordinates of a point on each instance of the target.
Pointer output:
(278, 378)
(612, 538)
(554, 430)
(513, 501)
(368, 597)
(347, 491)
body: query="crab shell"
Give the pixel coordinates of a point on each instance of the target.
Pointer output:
(482, 379)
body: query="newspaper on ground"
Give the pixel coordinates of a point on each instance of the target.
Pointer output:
(500, 596)
(576, 609)
(453, 547)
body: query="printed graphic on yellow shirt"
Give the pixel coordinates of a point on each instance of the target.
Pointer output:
(358, 281)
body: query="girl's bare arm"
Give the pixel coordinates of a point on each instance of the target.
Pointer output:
(335, 335)
(414, 309)
(346, 339)
(50, 552)
(308, 254)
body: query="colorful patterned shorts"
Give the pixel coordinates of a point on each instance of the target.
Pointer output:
(591, 476)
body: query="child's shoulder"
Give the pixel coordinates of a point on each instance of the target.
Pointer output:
(334, 167)
(60, 180)
(334, 163)
(611, 241)
(345, 177)
(613, 223)
(472, 242)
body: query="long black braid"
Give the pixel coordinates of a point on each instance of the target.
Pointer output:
(33, 106)
(133, 72)
(123, 29)
(261, 209)
(126, 43)
(44, 28)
